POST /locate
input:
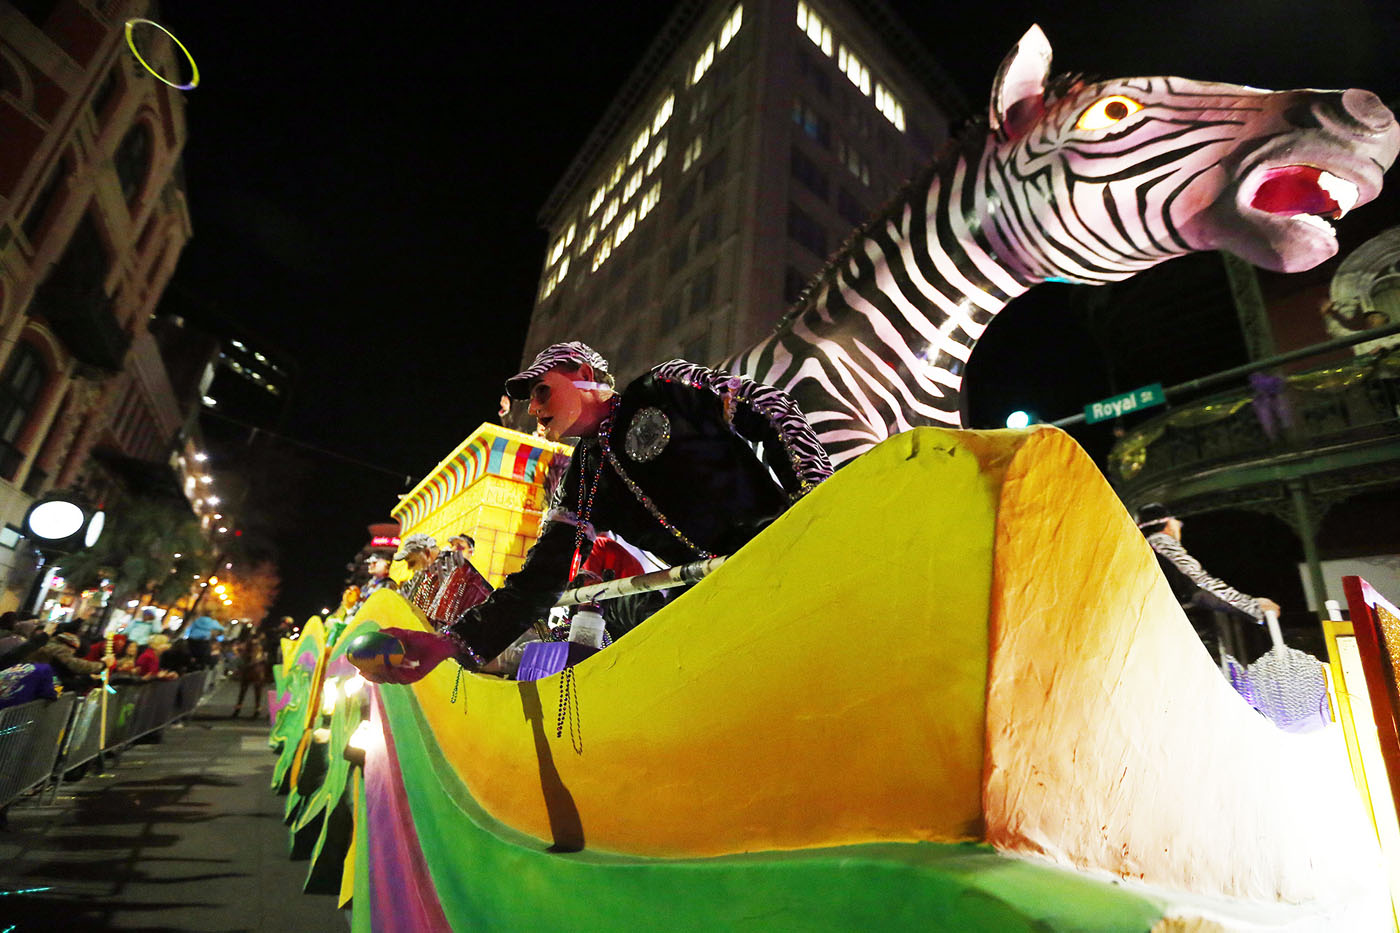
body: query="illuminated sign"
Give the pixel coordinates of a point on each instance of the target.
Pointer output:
(383, 541)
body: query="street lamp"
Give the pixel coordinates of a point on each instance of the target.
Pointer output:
(1019, 419)
(59, 523)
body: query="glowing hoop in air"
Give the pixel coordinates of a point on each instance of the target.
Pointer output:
(131, 43)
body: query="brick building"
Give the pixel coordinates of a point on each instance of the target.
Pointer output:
(92, 221)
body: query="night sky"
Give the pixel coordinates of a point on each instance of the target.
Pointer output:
(364, 190)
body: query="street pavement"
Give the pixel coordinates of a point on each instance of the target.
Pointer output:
(181, 835)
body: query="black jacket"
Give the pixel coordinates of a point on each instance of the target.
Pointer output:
(699, 471)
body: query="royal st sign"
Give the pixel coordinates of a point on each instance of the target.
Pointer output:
(1136, 400)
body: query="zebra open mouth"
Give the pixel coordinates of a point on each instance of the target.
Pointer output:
(1307, 193)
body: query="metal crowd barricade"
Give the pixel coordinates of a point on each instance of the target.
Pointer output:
(133, 711)
(31, 736)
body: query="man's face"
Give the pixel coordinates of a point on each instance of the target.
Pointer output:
(379, 568)
(557, 403)
(419, 559)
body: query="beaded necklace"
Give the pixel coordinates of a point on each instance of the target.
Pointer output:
(587, 491)
(645, 500)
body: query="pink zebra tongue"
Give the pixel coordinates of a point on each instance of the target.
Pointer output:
(1295, 189)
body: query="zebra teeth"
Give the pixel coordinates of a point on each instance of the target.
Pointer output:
(1340, 190)
(1312, 220)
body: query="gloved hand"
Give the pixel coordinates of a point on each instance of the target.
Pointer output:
(422, 651)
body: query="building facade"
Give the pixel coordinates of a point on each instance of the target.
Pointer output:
(92, 221)
(747, 144)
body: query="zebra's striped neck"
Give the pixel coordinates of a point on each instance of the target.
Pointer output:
(881, 342)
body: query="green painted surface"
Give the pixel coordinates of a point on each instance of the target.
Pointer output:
(491, 877)
(361, 917)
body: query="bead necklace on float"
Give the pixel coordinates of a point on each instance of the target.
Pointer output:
(587, 490)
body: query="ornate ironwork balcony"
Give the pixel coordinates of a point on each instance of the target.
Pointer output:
(1338, 425)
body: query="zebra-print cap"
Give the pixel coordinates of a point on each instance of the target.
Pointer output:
(1153, 513)
(574, 352)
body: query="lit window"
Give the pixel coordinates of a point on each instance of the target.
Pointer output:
(692, 153)
(886, 103)
(555, 277)
(556, 251)
(639, 145)
(601, 254)
(810, 23)
(703, 63)
(589, 236)
(852, 68)
(632, 185)
(597, 199)
(609, 212)
(649, 200)
(731, 26)
(663, 113)
(618, 169)
(238, 345)
(569, 237)
(625, 227)
(658, 153)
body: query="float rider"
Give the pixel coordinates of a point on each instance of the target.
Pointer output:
(669, 464)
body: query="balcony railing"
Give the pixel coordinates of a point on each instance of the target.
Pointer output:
(1341, 412)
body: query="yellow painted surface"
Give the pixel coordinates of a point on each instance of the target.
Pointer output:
(808, 693)
(1113, 743)
(501, 513)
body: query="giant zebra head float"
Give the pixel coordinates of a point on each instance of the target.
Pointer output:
(1068, 181)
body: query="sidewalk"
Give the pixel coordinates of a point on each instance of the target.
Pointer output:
(179, 835)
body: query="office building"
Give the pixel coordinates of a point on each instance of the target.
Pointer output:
(746, 145)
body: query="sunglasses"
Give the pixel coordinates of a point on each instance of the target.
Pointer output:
(539, 393)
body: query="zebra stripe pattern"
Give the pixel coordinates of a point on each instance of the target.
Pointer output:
(1106, 179)
(810, 464)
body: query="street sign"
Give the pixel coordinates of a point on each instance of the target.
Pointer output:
(1138, 399)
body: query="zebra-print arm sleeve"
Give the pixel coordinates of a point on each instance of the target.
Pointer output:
(761, 414)
(1213, 587)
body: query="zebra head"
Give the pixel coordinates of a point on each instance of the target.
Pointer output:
(1093, 181)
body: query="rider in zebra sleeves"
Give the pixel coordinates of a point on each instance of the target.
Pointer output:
(668, 463)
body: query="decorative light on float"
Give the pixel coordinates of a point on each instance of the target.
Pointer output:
(328, 697)
(360, 740)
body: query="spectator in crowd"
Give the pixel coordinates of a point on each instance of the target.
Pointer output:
(198, 635)
(140, 630)
(128, 660)
(22, 651)
(61, 654)
(9, 638)
(464, 544)
(148, 659)
(176, 659)
(98, 648)
(253, 671)
(25, 682)
(156, 649)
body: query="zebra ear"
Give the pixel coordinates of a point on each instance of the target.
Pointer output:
(1018, 93)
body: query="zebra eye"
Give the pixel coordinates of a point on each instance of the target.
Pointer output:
(1107, 111)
